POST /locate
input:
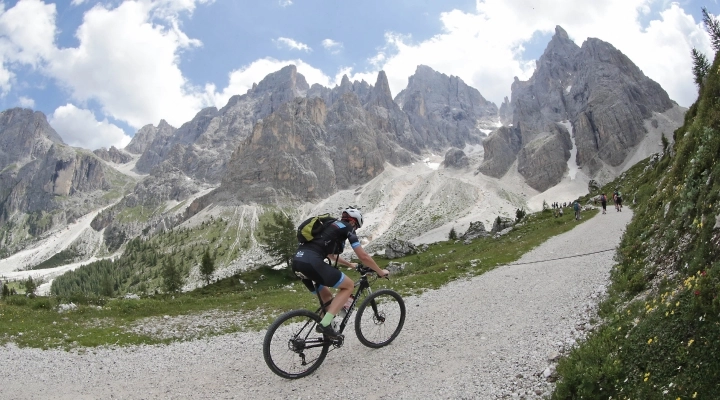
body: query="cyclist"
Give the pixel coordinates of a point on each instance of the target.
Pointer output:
(309, 264)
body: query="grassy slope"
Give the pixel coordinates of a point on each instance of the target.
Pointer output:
(262, 293)
(660, 339)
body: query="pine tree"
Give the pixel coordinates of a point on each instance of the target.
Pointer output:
(106, 286)
(280, 238)
(30, 287)
(452, 235)
(207, 267)
(712, 26)
(701, 66)
(172, 281)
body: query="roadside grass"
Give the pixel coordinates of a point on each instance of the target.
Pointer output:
(262, 294)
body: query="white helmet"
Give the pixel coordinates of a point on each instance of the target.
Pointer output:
(354, 213)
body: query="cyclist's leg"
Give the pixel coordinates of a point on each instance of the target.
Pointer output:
(345, 289)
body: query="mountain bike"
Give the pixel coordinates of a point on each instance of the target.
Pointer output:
(293, 348)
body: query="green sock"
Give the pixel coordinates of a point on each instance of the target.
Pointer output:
(327, 319)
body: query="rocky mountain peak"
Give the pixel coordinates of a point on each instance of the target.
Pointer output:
(593, 94)
(560, 33)
(24, 134)
(287, 81)
(380, 93)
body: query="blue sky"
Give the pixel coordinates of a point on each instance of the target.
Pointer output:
(102, 70)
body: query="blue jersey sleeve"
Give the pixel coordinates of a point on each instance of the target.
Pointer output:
(353, 239)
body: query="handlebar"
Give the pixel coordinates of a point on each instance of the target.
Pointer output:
(363, 270)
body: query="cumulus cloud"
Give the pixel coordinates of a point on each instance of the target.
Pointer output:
(332, 46)
(240, 80)
(480, 48)
(291, 44)
(27, 32)
(26, 102)
(285, 3)
(79, 127)
(127, 59)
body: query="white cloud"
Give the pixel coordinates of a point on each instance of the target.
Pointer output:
(136, 79)
(285, 3)
(332, 46)
(242, 79)
(485, 47)
(127, 58)
(77, 2)
(292, 44)
(26, 102)
(27, 32)
(78, 127)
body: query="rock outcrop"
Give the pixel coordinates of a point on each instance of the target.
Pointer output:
(455, 158)
(399, 248)
(474, 231)
(113, 155)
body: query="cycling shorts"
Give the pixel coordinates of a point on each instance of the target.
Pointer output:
(314, 269)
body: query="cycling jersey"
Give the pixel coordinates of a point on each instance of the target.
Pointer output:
(309, 260)
(332, 239)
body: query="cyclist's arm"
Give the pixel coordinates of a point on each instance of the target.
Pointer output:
(368, 261)
(340, 260)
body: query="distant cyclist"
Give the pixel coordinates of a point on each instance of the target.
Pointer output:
(309, 262)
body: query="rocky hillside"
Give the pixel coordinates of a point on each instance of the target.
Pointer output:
(591, 99)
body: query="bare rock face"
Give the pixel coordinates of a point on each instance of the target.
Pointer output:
(594, 88)
(444, 111)
(307, 151)
(608, 116)
(202, 147)
(544, 160)
(455, 158)
(330, 96)
(149, 135)
(113, 155)
(501, 150)
(386, 117)
(24, 135)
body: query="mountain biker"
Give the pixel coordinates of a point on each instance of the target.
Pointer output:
(309, 264)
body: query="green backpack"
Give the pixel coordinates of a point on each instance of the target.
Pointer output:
(312, 227)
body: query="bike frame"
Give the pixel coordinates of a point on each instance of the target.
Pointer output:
(361, 286)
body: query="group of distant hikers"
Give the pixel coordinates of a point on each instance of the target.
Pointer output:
(617, 199)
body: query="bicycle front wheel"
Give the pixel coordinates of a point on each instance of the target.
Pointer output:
(380, 318)
(292, 348)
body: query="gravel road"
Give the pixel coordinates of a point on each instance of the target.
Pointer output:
(492, 336)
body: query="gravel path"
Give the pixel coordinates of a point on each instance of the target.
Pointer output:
(489, 337)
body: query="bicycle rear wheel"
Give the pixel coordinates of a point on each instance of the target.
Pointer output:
(380, 318)
(292, 348)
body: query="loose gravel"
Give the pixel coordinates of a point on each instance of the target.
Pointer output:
(494, 336)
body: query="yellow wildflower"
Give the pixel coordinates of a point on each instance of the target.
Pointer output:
(694, 395)
(691, 342)
(650, 340)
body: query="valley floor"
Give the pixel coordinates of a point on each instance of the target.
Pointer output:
(487, 337)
